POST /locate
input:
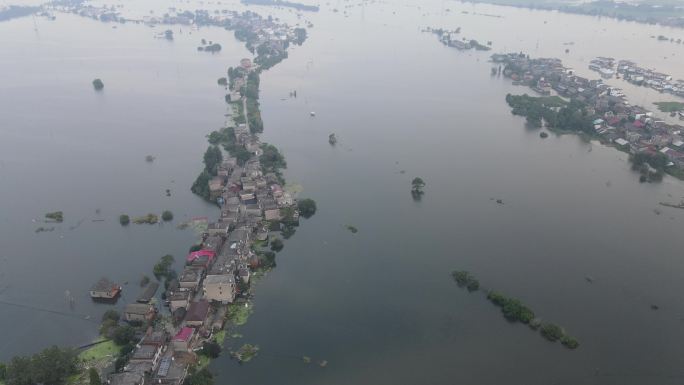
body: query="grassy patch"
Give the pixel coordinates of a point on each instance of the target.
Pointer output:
(670, 106)
(97, 352)
(238, 314)
(220, 337)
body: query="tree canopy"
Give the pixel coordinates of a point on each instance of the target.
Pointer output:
(98, 84)
(212, 158)
(307, 207)
(52, 366)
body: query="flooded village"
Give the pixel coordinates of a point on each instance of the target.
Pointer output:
(600, 110)
(213, 290)
(631, 72)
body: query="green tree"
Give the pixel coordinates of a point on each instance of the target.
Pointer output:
(94, 377)
(551, 332)
(569, 342)
(3, 371)
(222, 82)
(98, 84)
(202, 377)
(211, 349)
(201, 185)
(112, 315)
(307, 207)
(271, 159)
(123, 335)
(417, 184)
(163, 267)
(19, 371)
(167, 216)
(277, 244)
(124, 219)
(212, 158)
(54, 365)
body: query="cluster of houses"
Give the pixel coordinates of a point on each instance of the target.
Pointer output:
(631, 72)
(630, 127)
(253, 28)
(215, 274)
(641, 76)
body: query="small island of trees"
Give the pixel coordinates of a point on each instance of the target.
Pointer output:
(515, 311)
(98, 84)
(465, 279)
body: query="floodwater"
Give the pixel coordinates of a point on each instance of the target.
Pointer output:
(379, 306)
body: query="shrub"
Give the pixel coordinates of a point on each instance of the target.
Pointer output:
(551, 332)
(124, 219)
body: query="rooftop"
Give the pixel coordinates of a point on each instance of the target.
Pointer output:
(197, 311)
(104, 285)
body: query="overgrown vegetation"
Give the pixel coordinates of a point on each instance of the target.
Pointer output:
(307, 207)
(124, 220)
(55, 216)
(465, 279)
(652, 166)
(162, 269)
(51, 366)
(554, 111)
(515, 311)
(149, 219)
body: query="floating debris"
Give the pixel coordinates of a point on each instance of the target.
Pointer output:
(499, 201)
(150, 158)
(332, 139)
(543, 135)
(323, 364)
(589, 279)
(306, 359)
(353, 229)
(655, 307)
(45, 229)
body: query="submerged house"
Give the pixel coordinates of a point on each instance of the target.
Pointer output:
(139, 312)
(105, 289)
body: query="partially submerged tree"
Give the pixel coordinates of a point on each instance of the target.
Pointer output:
(98, 84)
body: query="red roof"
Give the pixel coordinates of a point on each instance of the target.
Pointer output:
(184, 334)
(201, 253)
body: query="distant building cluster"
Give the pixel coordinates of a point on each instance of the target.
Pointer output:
(614, 119)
